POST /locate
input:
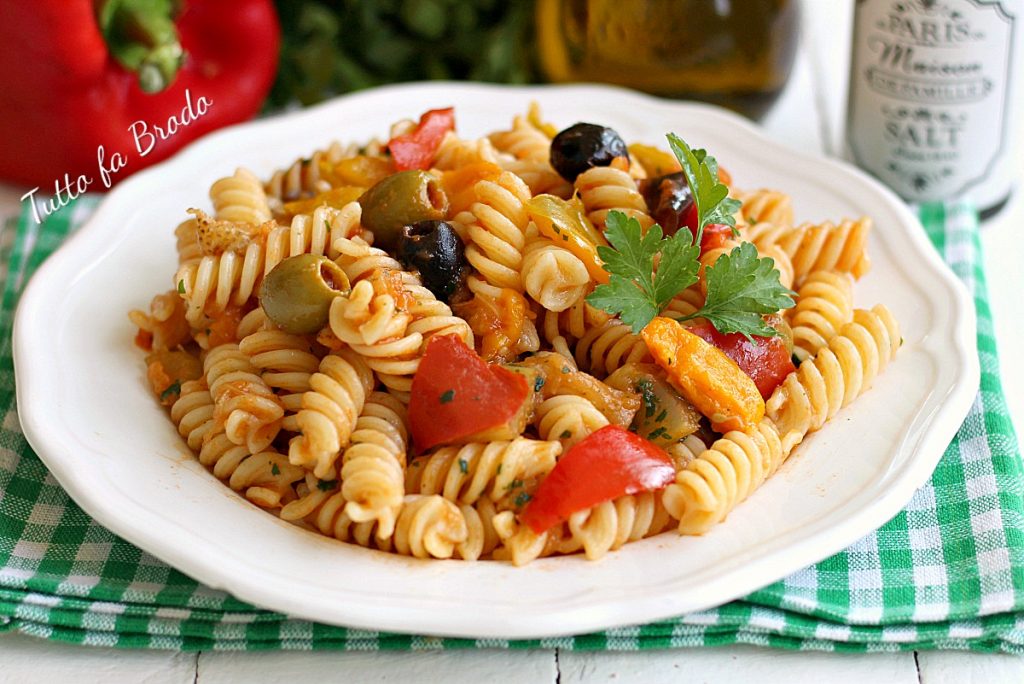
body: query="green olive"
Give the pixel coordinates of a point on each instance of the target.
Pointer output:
(297, 293)
(400, 200)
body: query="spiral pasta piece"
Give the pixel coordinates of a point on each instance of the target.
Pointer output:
(837, 374)
(686, 302)
(609, 525)
(758, 206)
(286, 362)
(684, 451)
(305, 178)
(481, 538)
(373, 465)
(359, 260)
(429, 527)
(232, 276)
(522, 141)
(519, 543)
(330, 410)
(824, 304)
(187, 241)
(244, 404)
(568, 419)
(192, 413)
(540, 177)
(314, 233)
(606, 188)
(497, 470)
(391, 338)
(266, 479)
(165, 323)
(454, 152)
(552, 275)
(609, 347)
(711, 485)
(572, 323)
(818, 247)
(240, 198)
(321, 506)
(495, 227)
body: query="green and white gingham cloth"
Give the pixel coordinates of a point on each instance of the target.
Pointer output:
(946, 572)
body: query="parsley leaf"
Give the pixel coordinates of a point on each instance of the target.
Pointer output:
(742, 288)
(326, 485)
(181, 287)
(636, 291)
(709, 195)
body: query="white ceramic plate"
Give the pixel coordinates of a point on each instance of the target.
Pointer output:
(87, 411)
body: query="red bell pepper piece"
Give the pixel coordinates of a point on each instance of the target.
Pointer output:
(75, 76)
(767, 362)
(455, 394)
(715, 236)
(610, 463)
(416, 150)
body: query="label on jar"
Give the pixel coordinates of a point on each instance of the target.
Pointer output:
(929, 93)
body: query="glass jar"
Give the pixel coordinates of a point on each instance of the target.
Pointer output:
(736, 53)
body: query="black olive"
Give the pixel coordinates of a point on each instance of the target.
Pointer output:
(668, 200)
(583, 146)
(434, 249)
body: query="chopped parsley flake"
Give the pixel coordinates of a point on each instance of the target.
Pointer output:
(662, 416)
(660, 432)
(172, 389)
(181, 287)
(646, 389)
(566, 369)
(448, 396)
(523, 499)
(538, 383)
(274, 470)
(566, 434)
(463, 466)
(326, 485)
(514, 484)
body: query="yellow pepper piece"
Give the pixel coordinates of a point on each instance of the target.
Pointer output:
(656, 161)
(360, 170)
(335, 197)
(460, 184)
(566, 224)
(702, 373)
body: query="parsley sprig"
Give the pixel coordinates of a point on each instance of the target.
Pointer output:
(709, 195)
(648, 269)
(635, 290)
(742, 288)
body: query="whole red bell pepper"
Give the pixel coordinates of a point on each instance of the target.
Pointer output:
(76, 75)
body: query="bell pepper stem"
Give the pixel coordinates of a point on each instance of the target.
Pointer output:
(143, 38)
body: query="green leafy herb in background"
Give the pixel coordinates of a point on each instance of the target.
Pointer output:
(335, 47)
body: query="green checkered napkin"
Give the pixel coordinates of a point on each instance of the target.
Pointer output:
(946, 572)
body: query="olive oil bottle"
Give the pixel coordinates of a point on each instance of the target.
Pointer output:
(737, 53)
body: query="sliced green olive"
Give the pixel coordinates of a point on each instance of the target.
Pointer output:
(399, 200)
(665, 416)
(296, 295)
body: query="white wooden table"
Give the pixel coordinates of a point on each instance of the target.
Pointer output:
(808, 117)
